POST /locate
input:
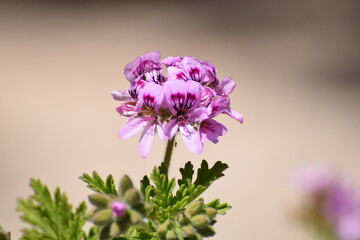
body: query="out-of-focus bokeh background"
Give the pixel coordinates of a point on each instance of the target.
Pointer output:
(297, 69)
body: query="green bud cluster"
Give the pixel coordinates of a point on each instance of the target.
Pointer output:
(113, 224)
(194, 223)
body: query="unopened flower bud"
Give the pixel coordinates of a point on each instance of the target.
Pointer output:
(99, 200)
(114, 229)
(181, 218)
(102, 217)
(199, 221)
(171, 235)
(132, 197)
(105, 233)
(125, 184)
(207, 231)
(210, 212)
(188, 231)
(135, 217)
(162, 229)
(194, 208)
(118, 209)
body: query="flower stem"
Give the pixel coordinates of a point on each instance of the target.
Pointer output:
(168, 153)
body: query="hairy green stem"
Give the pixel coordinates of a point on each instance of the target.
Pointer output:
(168, 153)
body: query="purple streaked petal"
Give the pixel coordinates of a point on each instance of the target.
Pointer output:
(146, 140)
(120, 95)
(234, 114)
(137, 67)
(174, 73)
(226, 86)
(136, 87)
(211, 130)
(193, 68)
(182, 96)
(191, 139)
(153, 95)
(171, 128)
(131, 128)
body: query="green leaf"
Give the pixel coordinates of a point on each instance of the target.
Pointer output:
(206, 176)
(96, 184)
(187, 173)
(51, 216)
(144, 183)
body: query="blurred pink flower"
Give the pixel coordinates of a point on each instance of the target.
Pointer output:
(334, 198)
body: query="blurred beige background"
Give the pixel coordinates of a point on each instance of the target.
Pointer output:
(296, 65)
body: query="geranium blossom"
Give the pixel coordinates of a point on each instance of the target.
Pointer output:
(175, 95)
(334, 199)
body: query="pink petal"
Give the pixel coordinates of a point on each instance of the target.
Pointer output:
(161, 132)
(130, 70)
(131, 128)
(154, 56)
(199, 114)
(218, 106)
(171, 128)
(211, 130)
(120, 95)
(191, 139)
(227, 85)
(146, 141)
(234, 114)
(171, 61)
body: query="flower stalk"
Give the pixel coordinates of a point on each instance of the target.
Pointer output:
(168, 153)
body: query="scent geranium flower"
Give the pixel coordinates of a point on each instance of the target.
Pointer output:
(184, 100)
(333, 199)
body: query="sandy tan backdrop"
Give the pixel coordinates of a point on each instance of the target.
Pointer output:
(296, 65)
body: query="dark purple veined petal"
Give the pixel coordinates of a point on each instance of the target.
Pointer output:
(193, 69)
(146, 62)
(182, 96)
(152, 96)
(135, 87)
(154, 76)
(175, 73)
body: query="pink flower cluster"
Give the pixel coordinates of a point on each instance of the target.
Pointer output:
(174, 95)
(335, 199)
